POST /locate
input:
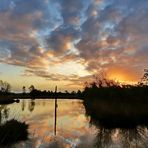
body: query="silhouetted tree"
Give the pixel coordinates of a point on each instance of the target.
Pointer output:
(73, 92)
(4, 86)
(24, 89)
(31, 88)
(66, 91)
(79, 92)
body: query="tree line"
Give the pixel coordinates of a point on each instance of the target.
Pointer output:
(100, 87)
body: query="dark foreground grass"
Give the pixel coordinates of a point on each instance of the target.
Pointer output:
(12, 132)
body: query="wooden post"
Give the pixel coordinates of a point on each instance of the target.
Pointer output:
(55, 119)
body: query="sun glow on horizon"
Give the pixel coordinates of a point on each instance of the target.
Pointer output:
(122, 76)
(46, 43)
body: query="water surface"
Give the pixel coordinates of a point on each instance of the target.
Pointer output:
(73, 126)
(75, 129)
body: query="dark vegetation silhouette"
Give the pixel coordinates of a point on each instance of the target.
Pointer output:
(103, 88)
(35, 93)
(6, 96)
(111, 106)
(12, 132)
(116, 108)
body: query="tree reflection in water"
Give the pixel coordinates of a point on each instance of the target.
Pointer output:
(31, 105)
(123, 138)
(117, 132)
(23, 104)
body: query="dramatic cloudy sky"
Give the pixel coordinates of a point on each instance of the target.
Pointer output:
(64, 42)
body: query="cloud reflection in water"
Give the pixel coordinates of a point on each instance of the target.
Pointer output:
(73, 128)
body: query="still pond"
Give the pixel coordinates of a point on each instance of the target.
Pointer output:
(73, 129)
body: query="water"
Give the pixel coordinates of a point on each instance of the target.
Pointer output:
(74, 128)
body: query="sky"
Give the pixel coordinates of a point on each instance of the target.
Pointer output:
(66, 42)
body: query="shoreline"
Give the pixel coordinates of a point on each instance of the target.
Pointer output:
(28, 96)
